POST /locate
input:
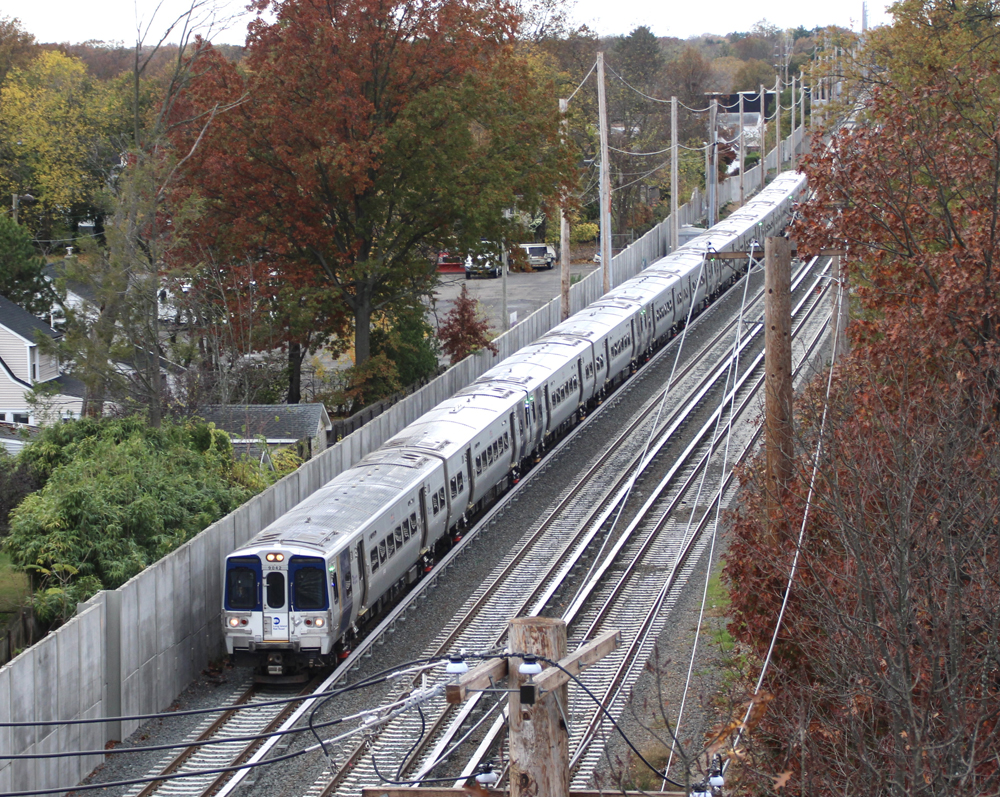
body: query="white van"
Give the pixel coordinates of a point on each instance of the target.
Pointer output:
(539, 255)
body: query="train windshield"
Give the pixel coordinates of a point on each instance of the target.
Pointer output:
(308, 584)
(241, 588)
(242, 579)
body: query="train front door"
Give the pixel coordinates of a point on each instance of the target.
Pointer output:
(275, 605)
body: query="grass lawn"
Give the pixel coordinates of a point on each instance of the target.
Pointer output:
(13, 587)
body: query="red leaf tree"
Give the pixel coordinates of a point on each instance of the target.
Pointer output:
(373, 133)
(464, 330)
(885, 671)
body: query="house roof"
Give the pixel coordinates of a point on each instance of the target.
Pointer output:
(69, 386)
(22, 323)
(285, 422)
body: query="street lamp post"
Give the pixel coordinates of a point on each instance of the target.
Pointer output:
(27, 199)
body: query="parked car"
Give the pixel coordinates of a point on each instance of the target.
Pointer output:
(539, 255)
(485, 262)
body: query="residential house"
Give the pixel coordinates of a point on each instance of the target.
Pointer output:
(24, 366)
(255, 428)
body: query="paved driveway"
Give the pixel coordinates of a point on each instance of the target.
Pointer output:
(526, 292)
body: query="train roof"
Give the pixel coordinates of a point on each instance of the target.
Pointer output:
(536, 362)
(448, 428)
(349, 502)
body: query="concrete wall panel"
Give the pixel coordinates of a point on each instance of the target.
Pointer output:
(180, 615)
(6, 742)
(199, 597)
(69, 673)
(148, 609)
(129, 635)
(46, 683)
(23, 697)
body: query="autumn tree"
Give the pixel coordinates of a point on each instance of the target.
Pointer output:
(638, 123)
(884, 671)
(54, 125)
(373, 136)
(464, 331)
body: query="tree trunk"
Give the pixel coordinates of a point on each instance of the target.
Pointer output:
(295, 356)
(362, 326)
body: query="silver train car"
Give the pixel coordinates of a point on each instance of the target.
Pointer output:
(299, 594)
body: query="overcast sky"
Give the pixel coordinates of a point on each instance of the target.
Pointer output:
(115, 20)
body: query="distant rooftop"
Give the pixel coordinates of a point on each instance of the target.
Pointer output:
(273, 422)
(23, 323)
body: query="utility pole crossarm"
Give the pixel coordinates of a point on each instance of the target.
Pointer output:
(481, 677)
(573, 664)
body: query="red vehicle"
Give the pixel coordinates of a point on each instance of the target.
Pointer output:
(449, 263)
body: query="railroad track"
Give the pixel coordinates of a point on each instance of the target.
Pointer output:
(225, 740)
(560, 542)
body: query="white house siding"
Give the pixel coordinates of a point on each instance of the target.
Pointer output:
(48, 367)
(14, 352)
(55, 409)
(11, 396)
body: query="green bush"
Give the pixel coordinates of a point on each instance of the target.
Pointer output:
(118, 496)
(583, 233)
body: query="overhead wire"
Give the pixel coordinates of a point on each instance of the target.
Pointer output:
(592, 68)
(733, 371)
(802, 527)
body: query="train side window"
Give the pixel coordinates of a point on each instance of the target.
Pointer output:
(390, 542)
(454, 488)
(382, 555)
(461, 482)
(479, 467)
(435, 504)
(374, 558)
(441, 492)
(401, 533)
(413, 522)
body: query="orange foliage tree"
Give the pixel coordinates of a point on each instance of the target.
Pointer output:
(373, 133)
(886, 670)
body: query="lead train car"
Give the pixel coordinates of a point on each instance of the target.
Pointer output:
(297, 595)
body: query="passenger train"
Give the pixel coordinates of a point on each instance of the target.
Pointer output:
(300, 592)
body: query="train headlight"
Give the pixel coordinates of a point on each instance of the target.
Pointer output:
(320, 622)
(275, 557)
(234, 622)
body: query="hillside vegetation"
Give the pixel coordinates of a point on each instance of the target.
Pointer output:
(885, 675)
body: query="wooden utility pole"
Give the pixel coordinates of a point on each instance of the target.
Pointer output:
(605, 192)
(712, 163)
(777, 124)
(792, 142)
(778, 380)
(564, 280)
(675, 220)
(763, 137)
(841, 306)
(539, 740)
(743, 190)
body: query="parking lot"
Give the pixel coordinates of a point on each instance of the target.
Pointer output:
(526, 292)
